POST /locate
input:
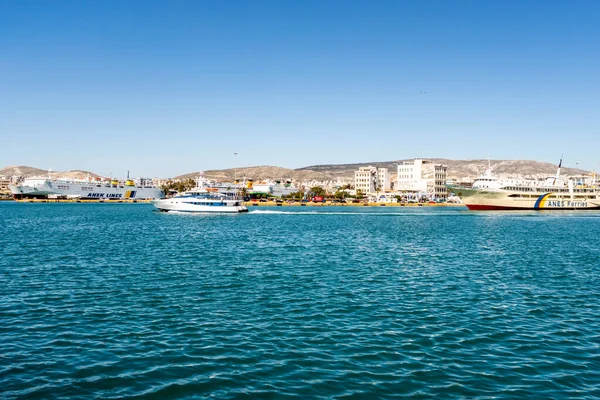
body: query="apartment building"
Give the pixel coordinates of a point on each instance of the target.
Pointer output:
(371, 180)
(422, 177)
(4, 182)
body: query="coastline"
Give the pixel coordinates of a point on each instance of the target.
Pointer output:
(250, 204)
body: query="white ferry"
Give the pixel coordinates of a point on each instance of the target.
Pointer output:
(202, 200)
(554, 193)
(90, 188)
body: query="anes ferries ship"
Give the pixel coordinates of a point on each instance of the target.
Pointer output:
(96, 188)
(554, 193)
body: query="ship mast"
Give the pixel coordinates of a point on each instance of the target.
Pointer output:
(558, 170)
(235, 183)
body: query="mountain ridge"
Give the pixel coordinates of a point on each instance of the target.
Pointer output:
(25, 171)
(457, 169)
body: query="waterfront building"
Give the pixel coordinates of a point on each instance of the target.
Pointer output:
(422, 178)
(586, 179)
(274, 188)
(329, 185)
(372, 180)
(4, 182)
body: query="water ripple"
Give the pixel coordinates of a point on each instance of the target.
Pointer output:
(115, 301)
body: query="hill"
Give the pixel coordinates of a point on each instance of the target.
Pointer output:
(459, 169)
(258, 173)
(24, 171)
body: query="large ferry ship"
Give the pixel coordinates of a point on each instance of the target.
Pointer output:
(554, 193)
(90, 188)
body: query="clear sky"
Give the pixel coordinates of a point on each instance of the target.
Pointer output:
(163, 88)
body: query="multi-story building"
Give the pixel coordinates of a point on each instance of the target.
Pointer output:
(4, 182)
(423, 178)
(371, 180)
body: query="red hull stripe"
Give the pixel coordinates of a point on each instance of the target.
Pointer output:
(477, 207)
(484, 207)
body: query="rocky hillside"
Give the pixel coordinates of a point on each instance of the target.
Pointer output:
(332, 172)
(506, 168)
(456, 169)
(260, 172)
(24, 171)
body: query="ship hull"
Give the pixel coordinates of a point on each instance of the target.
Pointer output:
(479, 207)
(191, 205)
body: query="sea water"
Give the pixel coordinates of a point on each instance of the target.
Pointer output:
(118, 301)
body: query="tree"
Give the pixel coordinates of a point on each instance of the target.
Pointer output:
(318, 191)
(299, 195)
(340, 194)
(178, 186)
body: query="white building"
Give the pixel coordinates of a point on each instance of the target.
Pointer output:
(371, 180)
(4, 182)
(274, 188)
(422, 178)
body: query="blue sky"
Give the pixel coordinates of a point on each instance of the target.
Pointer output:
(163, 88)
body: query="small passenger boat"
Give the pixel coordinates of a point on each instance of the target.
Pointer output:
(201, 200)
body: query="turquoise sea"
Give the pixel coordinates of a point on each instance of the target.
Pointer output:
(118, 301)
